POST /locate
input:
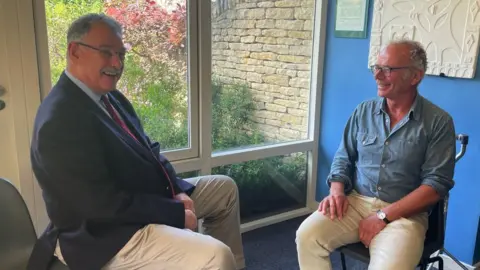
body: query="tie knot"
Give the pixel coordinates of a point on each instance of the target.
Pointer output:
(104, 99)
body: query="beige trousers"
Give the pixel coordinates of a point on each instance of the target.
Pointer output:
(398, 246)
(162, 247)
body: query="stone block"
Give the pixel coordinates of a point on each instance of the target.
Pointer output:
(247, 39)
(279, 13)
(294, 59)
(254, 77)
(251, 14)
(300, 34)
(301, 50)
(279, 49)
(288, 3)
(286, 103)
(300, 82)
(288, 72)
(297, 112)
(268, 23)
(266, 4)
(263, 55)
(290, 24)
(303, 13)
(244, 24)
(308, 25)
(281, 80)
(289, 41)
(274, 33)
(266, 40)
(275, 107)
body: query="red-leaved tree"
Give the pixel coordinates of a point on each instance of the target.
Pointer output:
(151, 31)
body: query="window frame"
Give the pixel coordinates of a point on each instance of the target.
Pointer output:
(199, 155)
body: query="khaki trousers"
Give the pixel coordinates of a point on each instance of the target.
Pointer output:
(398, 246)
(162, 247)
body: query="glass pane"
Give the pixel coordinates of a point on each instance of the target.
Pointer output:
(269, 186)
(155, 75)
(261, 55)
(191, 174)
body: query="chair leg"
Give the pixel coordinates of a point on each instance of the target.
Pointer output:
(342, 258)
(423, 265)
(440, 263)
(432, 261)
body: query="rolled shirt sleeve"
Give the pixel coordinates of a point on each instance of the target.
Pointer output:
(438, 168)
(343, 164)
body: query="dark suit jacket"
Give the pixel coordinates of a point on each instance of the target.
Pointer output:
(100, 186)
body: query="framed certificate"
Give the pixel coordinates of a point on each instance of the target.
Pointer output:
(351, 18)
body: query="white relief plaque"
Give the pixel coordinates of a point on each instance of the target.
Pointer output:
(448, 29)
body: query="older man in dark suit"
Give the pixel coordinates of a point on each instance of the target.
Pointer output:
(114, 201)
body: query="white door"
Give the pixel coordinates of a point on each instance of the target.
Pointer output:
(19, 97)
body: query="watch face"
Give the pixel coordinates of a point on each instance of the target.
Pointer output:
(381, 215)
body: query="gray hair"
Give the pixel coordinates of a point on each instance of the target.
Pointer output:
(418, 55)
(81, 26)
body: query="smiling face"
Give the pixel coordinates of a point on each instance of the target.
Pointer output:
(395, 72)
(97, 59)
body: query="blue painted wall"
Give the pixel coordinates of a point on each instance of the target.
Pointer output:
(347, 82)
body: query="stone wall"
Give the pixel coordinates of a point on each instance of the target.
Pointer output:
(268, 45)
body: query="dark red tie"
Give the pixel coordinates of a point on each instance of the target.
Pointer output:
(116, 117)
(122, 124)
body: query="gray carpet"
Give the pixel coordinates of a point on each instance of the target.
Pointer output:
(273, 247)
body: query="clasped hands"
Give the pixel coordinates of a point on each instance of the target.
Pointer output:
(336, 205)
(190, 217)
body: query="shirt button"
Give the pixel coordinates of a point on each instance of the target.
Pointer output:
(379, 188)
(383, 165)
(168, 188)
(386, 143)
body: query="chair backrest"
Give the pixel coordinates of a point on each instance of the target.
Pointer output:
(436, 225)
(17, 234)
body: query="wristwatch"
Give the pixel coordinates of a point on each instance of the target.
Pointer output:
(381, 215)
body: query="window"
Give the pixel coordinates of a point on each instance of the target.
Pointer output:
(226, 87)
(261, 69)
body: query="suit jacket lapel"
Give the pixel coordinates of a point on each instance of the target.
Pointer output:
(143, 147)
(127, 119)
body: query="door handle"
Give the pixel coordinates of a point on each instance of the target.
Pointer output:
(2, 92)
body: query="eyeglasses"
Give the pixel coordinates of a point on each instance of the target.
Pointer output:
(105, 52)
(386, 70)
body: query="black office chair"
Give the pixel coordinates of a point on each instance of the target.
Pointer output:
(17, 234)
(434, 239)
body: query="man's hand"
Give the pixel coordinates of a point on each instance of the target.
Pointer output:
(369, 227)
(186, 201)
(336, 203)
(190, 220)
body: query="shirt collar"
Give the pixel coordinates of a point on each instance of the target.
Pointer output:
(415, 110)
(94, 96)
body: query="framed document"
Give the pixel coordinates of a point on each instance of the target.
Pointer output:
(351, 18)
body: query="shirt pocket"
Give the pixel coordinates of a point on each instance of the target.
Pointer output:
(368, 148)
(411, 154)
